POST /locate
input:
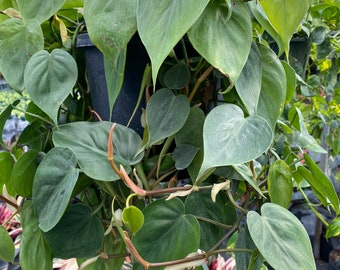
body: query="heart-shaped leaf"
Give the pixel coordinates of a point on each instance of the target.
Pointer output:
(224, 43)
(39, 10)
(166, 114)
(166, 224)
(53, 183)
(18, 41)
(7, 246)
(79, 234)
(279, 14)
(184, 155)
(171, 20)
(230, 139)
(177, 77)
(273, 92)
(281, 238)
(91, 147)
(133, 218)
(248, 85)
(54, 77)
(280, 184)
(35, 253)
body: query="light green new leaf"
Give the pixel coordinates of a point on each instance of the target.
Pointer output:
(18, 42)
(40, 10)
(166, 225)
(53, 183)
(91, 147)
(273, 92)
(170, 20)
(281, 238)
(333, 228)
(133, 218)
(285, 17)
(6, 165)
(54, 77)
(248, 85)
(79, 234)
(166, 114)
(224, 43)
(35, 253)
(231, 139)
(280, 184)
(7, 248)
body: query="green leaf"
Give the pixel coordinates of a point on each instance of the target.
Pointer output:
(23, 173)
(170, 20)
(192, 134)
(280, 184)
(18, 42)
(274, 86)
(79, 234)
(166, 114)
(7, 248)
(35, 253)
(177, 77)
(5, 114)
(53, 183)
(91, 147)
(291, 81)
(39, 10)
(230, 39)
(200, 204)
(321, 184)
(281, 238)
(248, 85)
(250, 137)
(54, 77)
(166, 225)
(133, 218)
(184, 155)
(6, 165)
(285, 17)
(246, 173)
(333, 228)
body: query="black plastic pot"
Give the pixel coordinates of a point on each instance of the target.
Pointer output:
(136, 60)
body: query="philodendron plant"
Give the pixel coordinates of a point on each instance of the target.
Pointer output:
(202, 180)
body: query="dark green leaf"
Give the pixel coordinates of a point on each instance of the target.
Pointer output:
(79, 234)
(166, 225)
(177, 77)
(6, 246)
(53, 184)
(6, 164)
(281, 238)
(291, 81)
(89, 142)
(184, 155)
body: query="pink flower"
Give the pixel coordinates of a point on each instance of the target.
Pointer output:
(220, 264)
(5, 213)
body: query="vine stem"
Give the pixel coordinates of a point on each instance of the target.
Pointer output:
(199, 81)
(3, 198)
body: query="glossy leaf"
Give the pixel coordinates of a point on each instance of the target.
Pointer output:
(248, 85)
(35, 253)
(6, 165)
(291, 81)
(53, 183)
(166, 114)
(281, 238)
(23, 173)
(183, 155)
(79, 234)
(200, 204)
(133, 218)
(273, 92)
(279, 13)
(7, 248)
(171, 20)
(251, 137)
(91, 147)
(5, 114)
(192, 134)
(280, 184)
(39, 10)
(230, 39)
(54, 77)
(166, 224)
(19, 41)
(320, 184)
(177, 77)
(333, 228)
